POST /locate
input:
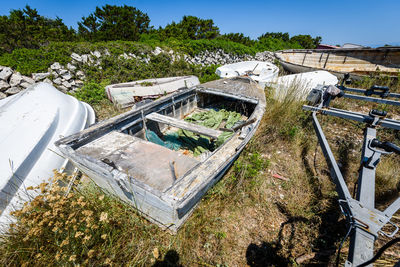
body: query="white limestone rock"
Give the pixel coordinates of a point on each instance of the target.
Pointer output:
(157, 51)
(76, 57)
(57, 81)
(28, 79)
(47, 80)
(71, 67)
(2, 95)
(55, 66)
(25, 85)
(4, 85)
(5, 73)
(62, 71)
(96, 53)
(67, 76)
(80, 74)
(15, 79)
(40, 76)
(66, 84)
(13, 90)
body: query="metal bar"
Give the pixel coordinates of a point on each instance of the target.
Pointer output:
(373, 99)
(387, 123)
(362, 91)
(336, 174)
(393, 208)
(366, 180)
(362, 242)
(361, 247)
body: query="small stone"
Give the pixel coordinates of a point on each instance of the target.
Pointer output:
(106, 52)
(13, 90)
(15, 79)
(78, 83)
(5, 73)
(55, 66)
(57, 81)
(66, 84)
(63, 88)
(4, 85)
(40, 76)
(76, 57)
(96, 54)
(80, 74)
(28, 79)
(2, 95)
(157, 51)
(62, 71)
(67, 76)
(71, 67)
(47, 80)
(25, 85)
(85, 58)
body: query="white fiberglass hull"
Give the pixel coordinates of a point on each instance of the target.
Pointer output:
(30, 123)
(299, 85)
(261, 72)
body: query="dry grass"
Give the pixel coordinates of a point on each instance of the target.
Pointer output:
(248, 218)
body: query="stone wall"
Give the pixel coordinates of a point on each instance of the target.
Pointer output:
(71, 77)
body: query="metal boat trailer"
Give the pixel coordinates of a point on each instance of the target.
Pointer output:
(365, 221)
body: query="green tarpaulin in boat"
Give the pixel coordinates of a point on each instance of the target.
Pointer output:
(198, 144)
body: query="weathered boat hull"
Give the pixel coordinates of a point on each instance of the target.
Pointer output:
(168, 204)
(30, 123)
(358, 62)
(123, 94)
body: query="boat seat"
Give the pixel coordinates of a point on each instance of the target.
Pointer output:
(181, 124)
(147, 162)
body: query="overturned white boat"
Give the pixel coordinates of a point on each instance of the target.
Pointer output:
(300, 85)
(126, 94)
(30, 122)
(259, 71)
(164, 156)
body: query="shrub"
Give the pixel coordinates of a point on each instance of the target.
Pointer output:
(91, 93)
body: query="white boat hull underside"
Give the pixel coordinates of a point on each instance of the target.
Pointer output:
(299, 85)
(30, 123)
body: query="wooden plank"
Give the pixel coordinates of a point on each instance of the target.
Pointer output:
(181, 124)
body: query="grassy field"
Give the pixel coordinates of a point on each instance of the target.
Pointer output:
(249, 218)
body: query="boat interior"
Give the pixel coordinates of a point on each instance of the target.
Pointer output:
(361, 61)
(159, 144)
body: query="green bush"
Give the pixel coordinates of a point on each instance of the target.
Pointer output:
(91, 93)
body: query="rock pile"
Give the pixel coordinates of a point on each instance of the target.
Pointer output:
(12, 82)
(71, 77)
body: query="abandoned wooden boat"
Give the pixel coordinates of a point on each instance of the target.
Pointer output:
(138, 156)
(30, 122)
(358, 62)
(126, 94)
(259, 71)
(300, 85)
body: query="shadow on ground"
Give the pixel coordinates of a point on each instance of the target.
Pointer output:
(331, 229)
(171, 259)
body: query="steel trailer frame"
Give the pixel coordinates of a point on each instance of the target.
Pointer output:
(365, 220)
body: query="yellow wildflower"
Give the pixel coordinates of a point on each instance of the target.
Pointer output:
(72, 258)
(90, 253)
(78, 234)
(103, 217)
(104, 236)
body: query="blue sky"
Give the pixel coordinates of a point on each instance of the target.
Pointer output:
(368, 22)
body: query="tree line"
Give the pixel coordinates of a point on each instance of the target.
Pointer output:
(25, 28)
